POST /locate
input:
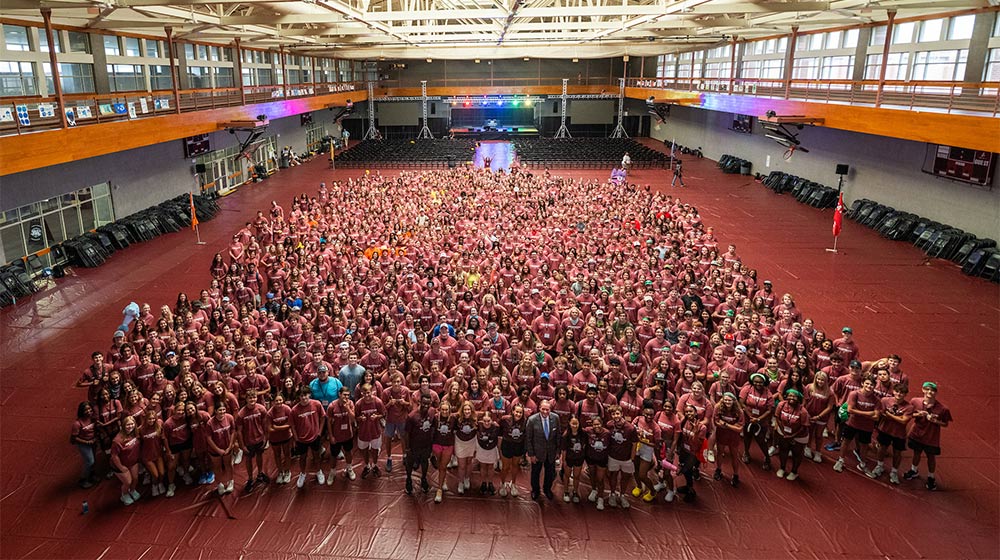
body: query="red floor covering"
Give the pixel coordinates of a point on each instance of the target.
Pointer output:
(943, 324)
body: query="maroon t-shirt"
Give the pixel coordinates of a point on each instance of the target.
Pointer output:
(887, 425)
(864, 403)
(623, 440)
(370, 416)
(221, 430)
(251, 421)
(280, 417)
(420, 428)
(341, 428)
(127, 449)
(923, 431)
(307, 420)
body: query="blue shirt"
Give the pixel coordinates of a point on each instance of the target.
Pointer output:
(325, 392)
(351, 376)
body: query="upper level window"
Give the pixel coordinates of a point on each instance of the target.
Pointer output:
(43, 41)
(132, 47)
(903, 33)
(930, 30)
(961, 27)
(79, 42)
(111, 46)
(16, 38)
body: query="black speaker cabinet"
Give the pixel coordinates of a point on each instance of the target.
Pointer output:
(842, 168)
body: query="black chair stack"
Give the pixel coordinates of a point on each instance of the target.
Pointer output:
(732, 165)
(804, 190)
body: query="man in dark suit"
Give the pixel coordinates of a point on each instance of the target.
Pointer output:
(543, 444)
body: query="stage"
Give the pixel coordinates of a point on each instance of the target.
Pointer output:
(493, 131)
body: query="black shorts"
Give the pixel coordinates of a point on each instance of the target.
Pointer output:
(181, 447)
(928, 449)
(418, 457)
(599, 463)
(574, 462)
(886, 440)
(255, 449)
(861, 436)
(511, 449)
(338, 446)
(301, 447)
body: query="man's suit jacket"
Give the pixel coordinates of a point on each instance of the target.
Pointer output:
(545, 450)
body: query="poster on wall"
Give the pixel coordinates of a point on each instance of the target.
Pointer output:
(131, 111)
(70, 117)
(22, 115)
(84, 112)
(143, 106)
(46, 111)
(6, 114)
(105, 109)
(120, 109)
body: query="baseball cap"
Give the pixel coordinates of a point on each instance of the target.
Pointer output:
(847, 330)
(855, 363)
(544, 375)
(302, 344)
(741, 348)
(470, 331)
(767, 282)
(119, 334)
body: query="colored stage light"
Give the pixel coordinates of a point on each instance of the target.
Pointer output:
(499, 102)
(516, 102)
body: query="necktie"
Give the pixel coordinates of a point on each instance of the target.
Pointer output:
(545, 426)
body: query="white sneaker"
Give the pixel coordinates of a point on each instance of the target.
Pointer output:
(593, 496)
(817, 457)
(613, 500)
(513, 490)
(286, 477)
(301, 481)
(839, 465)
(894, 477)
(780, 473)
(600, 504)
(659, 486)
(170, 490)
(863, 467)
(468, 484)
(127, 499)
(229, 487)
(624, 503)
(669, 497)
(566, 497)
(350, 473)
(461, 488)
(329, 478)
(808, 452)
(503, 489)
(453, 463)
(438, 496)
(320, 477)
(187, 479)
(876, 472)
(445, 486)
(238, 457)
(792, 476)
(154, 490)
(771, 451)
(222, 488)
(135, 495)
(710, 455)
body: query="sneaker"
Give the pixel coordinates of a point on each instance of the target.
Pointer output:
(367, 471)
(461, 489)
(201, 479)
(154, 490)
(832, 446)
(301, 480)
(135, 495)
(349, 472)
(863, 468)
(330, 477)
(817, 457)
(263, 478)
(238, 457)
(876, 472)
(780, 473)
(576, 498)
(453, 463)
(229, 486)
(718, 474)
(648, 497)
(766, 465)
(409, 486)
(388, 465)
(513, 490)
(792, 476)
(636, 492)
(894, 477)
(931, 483)
(839, 465)
(187, 479)
(467, 483)
(320, 477)
(222, 488)
(623, 502)
(170, 491)
(710, 455)
(771, 451)
(911, 474)
(600, 504)
(808, 453)
(745, 458)
(613, 500)
(445, 486)
(210, 478)
(438, 496)
(127, 499)
(424, 486)
(659, 486)
(735, 481)
(491, 489)
(669, 497)
(248, 487)
(503, 489)
(566, 497)
(593, 496)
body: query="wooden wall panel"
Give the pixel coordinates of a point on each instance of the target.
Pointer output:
(41, 149)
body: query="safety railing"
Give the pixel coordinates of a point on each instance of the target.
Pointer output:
(980, 98)
(499, 82)
(21, 115)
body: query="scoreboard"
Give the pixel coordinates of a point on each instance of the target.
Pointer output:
(971, 166)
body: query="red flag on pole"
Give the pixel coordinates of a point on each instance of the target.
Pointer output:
(194, 215)
(838, 216)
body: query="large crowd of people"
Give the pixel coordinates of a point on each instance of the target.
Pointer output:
(462, 325)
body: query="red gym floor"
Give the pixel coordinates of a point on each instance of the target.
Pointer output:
(943, 324)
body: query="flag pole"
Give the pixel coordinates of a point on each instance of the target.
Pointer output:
(834, 250)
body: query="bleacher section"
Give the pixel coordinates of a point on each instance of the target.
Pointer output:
(408, 153)
(586, 152)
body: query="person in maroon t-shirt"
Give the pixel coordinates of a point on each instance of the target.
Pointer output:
(83, 436)
(863, 409)
(221, 441)
(307, 418)
(370, 413)
(929, 416)
(340, 428)
(896, 415)
(621, 457)
(279, 436)
(729, 420)
(252, 436)
(791, 430)
(152, 440)
(125, 450)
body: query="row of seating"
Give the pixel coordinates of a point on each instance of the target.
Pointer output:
(439, 151)
(804, 190)
(976, 256)
(16, 280)
(578, 152)
(732, 165)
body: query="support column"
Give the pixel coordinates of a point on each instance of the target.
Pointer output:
(979, 49)
(425, 131)
(790, 60)
(372, 133)
(563, 131)
(691, 74)
(284, 74)
(54, 63)
(102, 82)
(885, 56)
(620, 129)
(171, 47)
(239, 71)
(861, 54)
(732, 65)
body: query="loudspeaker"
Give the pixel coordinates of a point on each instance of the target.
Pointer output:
(201, 168)
(842, 168)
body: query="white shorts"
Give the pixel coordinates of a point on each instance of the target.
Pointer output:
(614, 465)
(645, 453)
(375, 444)
(487, 456)
(465, 449)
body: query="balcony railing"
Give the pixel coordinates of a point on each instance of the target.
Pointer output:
(500, 82)
(21, 115)
(976, 98)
